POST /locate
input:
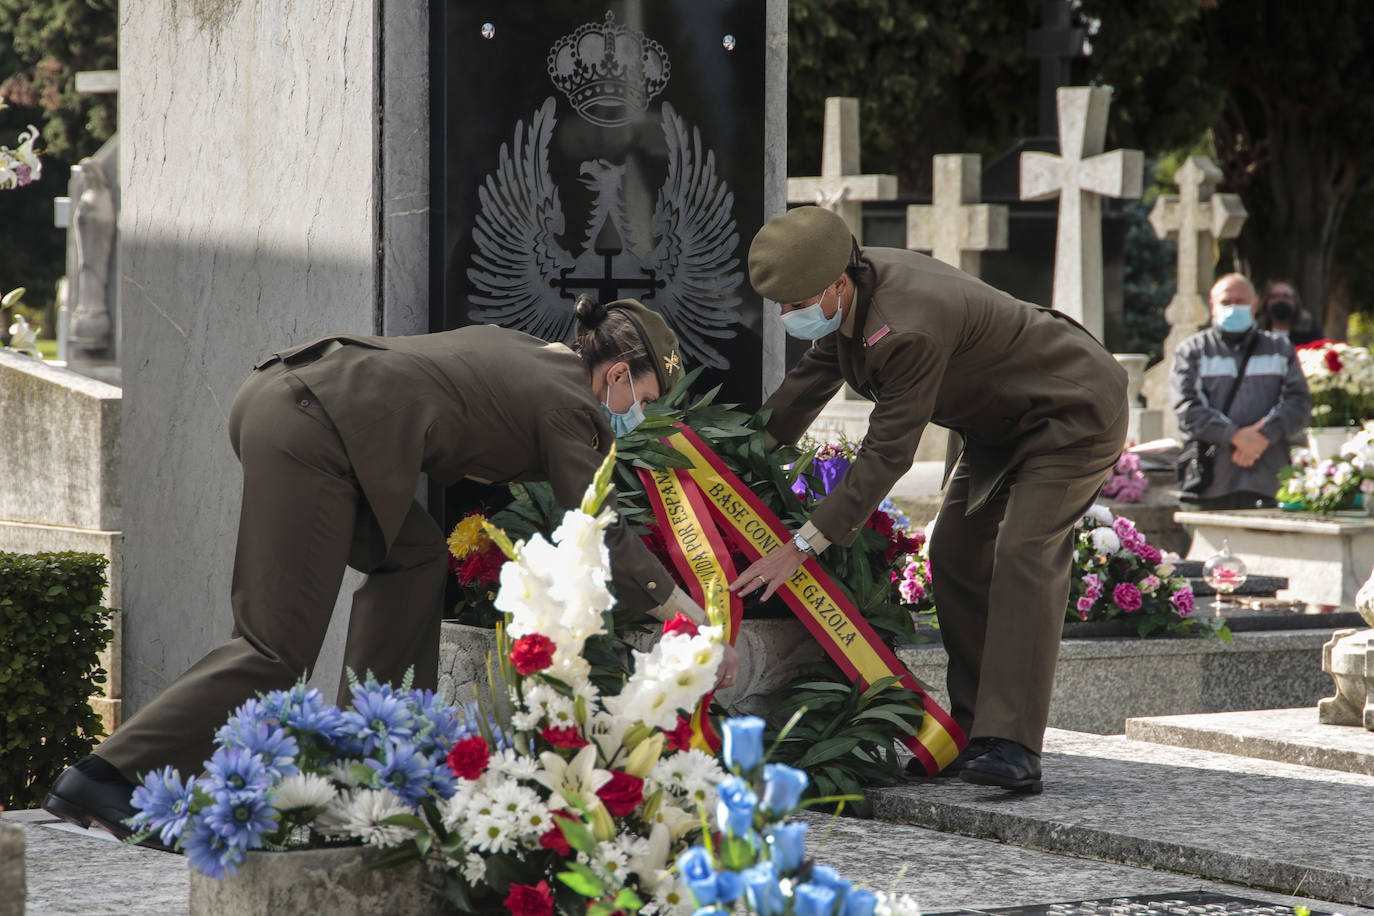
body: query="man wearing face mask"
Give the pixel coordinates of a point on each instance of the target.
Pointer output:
(1280, 310)
(1036, 409)
(1252, 416)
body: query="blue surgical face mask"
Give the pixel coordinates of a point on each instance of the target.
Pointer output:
(1235, 318)
(622, 424)
(810, 323)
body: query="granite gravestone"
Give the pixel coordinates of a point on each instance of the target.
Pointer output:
(840, 186)
(616, 149)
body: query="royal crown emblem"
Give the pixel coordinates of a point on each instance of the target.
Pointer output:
(609, 73)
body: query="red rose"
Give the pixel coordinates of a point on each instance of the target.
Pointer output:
(680, 623)
(563, 737)
(1333, 360)
(530, 901)
(532, 653)
(622, 793)
(881, 522)
(469, 757)
(680, 738)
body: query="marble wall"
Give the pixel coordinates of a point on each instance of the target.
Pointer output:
(265, 202)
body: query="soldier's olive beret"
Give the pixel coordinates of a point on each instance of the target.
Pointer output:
(658, 337)
(797, 255)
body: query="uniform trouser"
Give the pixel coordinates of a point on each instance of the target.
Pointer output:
(303, 520)
(1001, 580)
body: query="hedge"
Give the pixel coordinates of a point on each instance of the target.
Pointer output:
(52, 629)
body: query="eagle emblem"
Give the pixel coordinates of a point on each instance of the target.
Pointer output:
(523, 269)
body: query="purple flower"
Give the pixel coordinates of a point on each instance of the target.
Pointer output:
(163, 804)
(1127, 597)
(1183, 600)
(1085, 604)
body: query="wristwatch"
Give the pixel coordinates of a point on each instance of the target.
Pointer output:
(803, 545)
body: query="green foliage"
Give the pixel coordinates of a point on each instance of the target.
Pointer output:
(1150, 279)
(52, 629)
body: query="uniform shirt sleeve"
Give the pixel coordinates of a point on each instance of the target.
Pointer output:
(1294, 409)
(1197, 418)
(804, 392)
(571, 459)
(907, 382)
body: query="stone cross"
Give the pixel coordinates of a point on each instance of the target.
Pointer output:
(1055, 43)
(954, 227)
(1080, 176)
(1197, 218)
(840, 187)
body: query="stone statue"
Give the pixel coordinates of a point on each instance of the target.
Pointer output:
(93, 228)
(24, 338)
(1349, 659)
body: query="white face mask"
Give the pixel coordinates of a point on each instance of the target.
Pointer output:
(810, 323)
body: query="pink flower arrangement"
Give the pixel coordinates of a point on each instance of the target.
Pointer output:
(1126, 483)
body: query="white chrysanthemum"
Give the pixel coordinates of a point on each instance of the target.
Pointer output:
(513, 765)
(1100, 514)
(302, 791)
(671, 897)
(343, 776)
(361, 813)
(474, 868)
(510, 799)
(524, 721)
(613, 864)
(1105, 540)
(534, 821)
(491, 833)
(896, 905)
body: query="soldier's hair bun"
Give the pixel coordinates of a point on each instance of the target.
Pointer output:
(590, 313)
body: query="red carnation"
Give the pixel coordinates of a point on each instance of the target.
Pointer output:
(680, 738)
(622, 793)
(481, 567)
(553, 839)
(531, 653)
(1333, 360)
(469, 757)
(680, 623)
(881, 522)
(566, 736)
(530, 901)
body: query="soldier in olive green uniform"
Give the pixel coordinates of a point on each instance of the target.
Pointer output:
(1040, 409)
(333, 437)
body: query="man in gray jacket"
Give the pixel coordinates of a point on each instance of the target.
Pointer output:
(1270, 406)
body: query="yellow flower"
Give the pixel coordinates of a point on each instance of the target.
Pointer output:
(468, 536)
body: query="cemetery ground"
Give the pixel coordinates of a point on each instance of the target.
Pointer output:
(1119, 818)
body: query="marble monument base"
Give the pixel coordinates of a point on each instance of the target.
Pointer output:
(1326, 558)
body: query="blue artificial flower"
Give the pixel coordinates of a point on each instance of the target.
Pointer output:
(900, 520)
(271, 744)
(743, 748)
(711, 910)
(242, 818)
(208, 852)
(441, 775)
(787, 845)
(439, 726)
(246, 716)
(827, 877)
(782, 789)
(233, 769)
(729, 885)
(696, 870)
(735, 806)
(403, 770)
(812, 899)
(378, 712)
(163, 804)
(859, 902)
(317, 726)
(761, 889)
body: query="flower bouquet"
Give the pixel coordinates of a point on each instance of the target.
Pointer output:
(20, 167)
(1329, 485)
(1117, 575)
(1341, 379)
(1126, 483)
(475, 561)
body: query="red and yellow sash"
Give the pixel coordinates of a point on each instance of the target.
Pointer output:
(689, 503)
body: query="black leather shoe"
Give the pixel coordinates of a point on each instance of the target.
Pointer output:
(1005, 764)
(92, 793)
(976, 748)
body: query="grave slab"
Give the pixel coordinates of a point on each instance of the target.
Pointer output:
(1255, 823)
(11, 871)
(1326, 559)
(1284, 735)
(73, 872)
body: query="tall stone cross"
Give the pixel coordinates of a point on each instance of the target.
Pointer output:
(1055, 43)
(954, 227)
(840, 187)
(1080, 176)
(1197, 218)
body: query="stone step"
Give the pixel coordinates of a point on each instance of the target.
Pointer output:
(1284, 735)
(1250, 822)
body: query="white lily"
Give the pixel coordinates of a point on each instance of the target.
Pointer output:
(649, 864)
(568, 779)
